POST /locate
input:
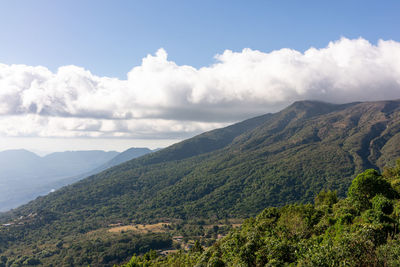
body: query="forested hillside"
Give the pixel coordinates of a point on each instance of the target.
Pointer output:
(360, 230)
(234, 172)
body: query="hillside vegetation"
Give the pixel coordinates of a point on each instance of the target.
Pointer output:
(233, 172)
(360, 230)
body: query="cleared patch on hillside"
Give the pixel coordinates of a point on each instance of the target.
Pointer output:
(142, 228)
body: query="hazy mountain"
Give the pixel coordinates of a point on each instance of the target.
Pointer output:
(124, 156)
(24, 175)
(72, 163)
(18, 163)
(235, 171)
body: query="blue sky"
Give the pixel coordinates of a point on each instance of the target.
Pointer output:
(115, 74)
(111, 37)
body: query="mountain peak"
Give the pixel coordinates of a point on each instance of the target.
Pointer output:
(310, 108)
(18, 153)
(311, 104)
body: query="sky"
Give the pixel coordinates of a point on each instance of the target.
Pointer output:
(78, 75)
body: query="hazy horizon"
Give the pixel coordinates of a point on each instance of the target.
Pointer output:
(48, 146)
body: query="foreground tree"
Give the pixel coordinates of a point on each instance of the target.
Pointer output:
(366, 186)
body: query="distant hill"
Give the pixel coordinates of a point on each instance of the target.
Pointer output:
(236, 171)
(131, 153)
(24, 175)
(18, 162)
(72, 163)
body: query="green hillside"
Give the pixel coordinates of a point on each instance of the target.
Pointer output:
(234, 172)
(360, 230)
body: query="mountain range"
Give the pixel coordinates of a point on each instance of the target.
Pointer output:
(24, 175)
(233, 172)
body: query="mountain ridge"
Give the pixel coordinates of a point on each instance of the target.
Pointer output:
(236, 171)
(26, 175)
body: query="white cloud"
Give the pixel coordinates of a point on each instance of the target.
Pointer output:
(33, 125)
(160, 99)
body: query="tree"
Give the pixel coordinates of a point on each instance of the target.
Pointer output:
(197, 247)
(383, 204)
(367, 185)
(392, 174)
(328, 198)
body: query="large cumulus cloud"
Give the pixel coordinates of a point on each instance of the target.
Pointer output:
(160, 99)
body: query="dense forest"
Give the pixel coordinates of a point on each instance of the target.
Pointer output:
(360, 230)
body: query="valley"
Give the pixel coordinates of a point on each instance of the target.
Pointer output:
(25, 176)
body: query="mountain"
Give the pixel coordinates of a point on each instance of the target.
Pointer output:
(71, 163)
(236, 171)
(18, 162)
(24, 175)
(131, 153)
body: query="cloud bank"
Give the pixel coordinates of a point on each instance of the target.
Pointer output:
(160, 99)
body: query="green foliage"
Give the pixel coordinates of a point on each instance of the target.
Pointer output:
(327, 198)
(366, 186)
(197, 247)
(97, 249)
(389, 253)
(330, 233)
(382, 204)
(392, 174)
